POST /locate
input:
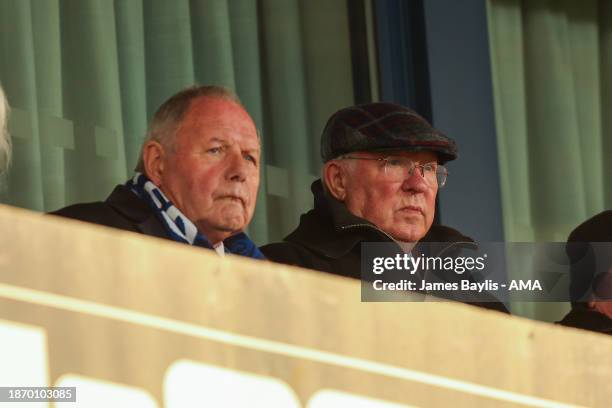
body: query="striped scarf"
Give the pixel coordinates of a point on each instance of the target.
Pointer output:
(179, 227)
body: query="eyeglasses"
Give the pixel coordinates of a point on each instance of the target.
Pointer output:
(395, 169)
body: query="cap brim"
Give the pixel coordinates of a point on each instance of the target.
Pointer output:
(443, 154)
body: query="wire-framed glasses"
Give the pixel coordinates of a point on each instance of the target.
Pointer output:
(396, 167)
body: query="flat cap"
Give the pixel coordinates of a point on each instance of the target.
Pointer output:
(382, 126)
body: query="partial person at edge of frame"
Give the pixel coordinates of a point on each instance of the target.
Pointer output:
(5, 138)
(589, 248)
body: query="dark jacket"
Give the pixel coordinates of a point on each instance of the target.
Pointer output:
(329, 239)
(583, 267)
(122, 209)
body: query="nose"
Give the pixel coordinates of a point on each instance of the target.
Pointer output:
(418, 168)
(237, 168)
(415, 182)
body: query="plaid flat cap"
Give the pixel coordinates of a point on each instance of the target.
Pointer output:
(382, 126)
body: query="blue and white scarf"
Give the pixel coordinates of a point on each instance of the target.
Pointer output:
(179, 227)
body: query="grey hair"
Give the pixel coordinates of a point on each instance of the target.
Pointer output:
(5, 138)
(170, 114)
(347, 165)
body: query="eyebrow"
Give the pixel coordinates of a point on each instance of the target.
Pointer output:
(255, 150)
(228, 143)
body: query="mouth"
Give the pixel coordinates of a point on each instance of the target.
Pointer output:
(412, 209)
(233, 198)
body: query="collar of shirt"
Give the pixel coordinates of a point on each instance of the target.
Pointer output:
(220, 249)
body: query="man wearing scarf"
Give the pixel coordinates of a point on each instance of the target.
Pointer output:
(197, 177)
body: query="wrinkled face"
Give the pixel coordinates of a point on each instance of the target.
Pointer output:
(211, 173)
(403, 209)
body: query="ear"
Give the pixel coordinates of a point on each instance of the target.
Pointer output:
(153, 154)
(334, 177)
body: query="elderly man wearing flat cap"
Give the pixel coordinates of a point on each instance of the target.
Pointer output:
(383, 166)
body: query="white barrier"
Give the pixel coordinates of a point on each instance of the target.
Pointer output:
(133, 321)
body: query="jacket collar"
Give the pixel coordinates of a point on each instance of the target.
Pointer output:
(127, 203)
(333, 231)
